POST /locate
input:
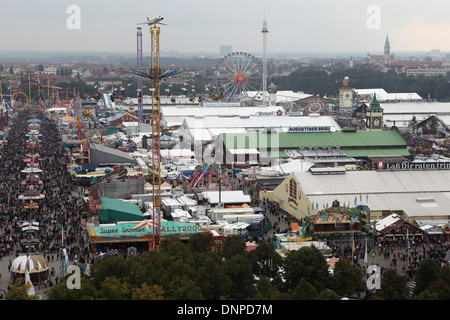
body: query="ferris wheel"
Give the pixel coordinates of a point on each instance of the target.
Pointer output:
(238, 75)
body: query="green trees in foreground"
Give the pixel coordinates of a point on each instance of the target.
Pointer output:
(203, 270)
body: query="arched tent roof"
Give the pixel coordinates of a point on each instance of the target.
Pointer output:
(34, 264)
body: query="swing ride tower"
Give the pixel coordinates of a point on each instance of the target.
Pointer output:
(155, 75)
(155, 72)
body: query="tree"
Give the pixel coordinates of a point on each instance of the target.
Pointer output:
(305, 291)
(183, 287)
(307, 263)
(19, 291)
(145, 292)
(393, 286)
(201, 242)
(239, 269)
(175, 260)
(346, 278)
(109, 267)
(232, 246)
(211, 277)
(328, 295)
(113, 289)
(264, 289)
(141, 269)
(265, 260)
(426, 275)
(426, 295)
(442, 285)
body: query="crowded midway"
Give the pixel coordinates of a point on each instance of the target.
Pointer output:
(36, 189)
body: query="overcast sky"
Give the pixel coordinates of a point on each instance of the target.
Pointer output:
(299, 26)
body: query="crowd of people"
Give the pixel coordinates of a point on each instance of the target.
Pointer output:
(59, 213)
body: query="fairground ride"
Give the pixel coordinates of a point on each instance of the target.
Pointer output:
(238, 75)
(155, 75)
(28, 90)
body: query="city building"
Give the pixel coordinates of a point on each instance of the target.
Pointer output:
(402, 114)
(383, 96)
(206, 129)
(414, 194)
(225, 49)
(267, 146)
(345, 96)
(428, 72)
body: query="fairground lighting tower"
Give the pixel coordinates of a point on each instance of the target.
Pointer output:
(264, 32)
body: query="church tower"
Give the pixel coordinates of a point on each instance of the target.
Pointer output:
(387, 51)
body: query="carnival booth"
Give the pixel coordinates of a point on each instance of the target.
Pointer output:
(109, 237)
(36, 265)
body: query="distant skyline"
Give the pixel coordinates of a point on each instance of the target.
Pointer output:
(295, 26)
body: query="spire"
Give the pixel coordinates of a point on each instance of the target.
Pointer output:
(386, 43)
(264, 30)
(374, 105)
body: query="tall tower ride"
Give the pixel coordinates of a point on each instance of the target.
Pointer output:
(155, 75)
(155, 72)
(139, 79)
(264, 32)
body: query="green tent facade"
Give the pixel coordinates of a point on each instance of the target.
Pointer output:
(114, 210)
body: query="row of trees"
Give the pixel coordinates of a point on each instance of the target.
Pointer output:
(202, 270)
(317, 80)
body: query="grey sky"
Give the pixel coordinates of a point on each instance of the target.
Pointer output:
(203, 25)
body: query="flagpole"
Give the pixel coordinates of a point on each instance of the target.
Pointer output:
(365, 254)
(407, 244)
(62, 252)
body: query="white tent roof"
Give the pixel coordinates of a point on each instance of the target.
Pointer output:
(226, 197)
(174, 115)
(386, 222)
(416, 108)
(34, 263)
(417, 193)
(207, 129)
(282, 95)
(382, 95)
(297, 165)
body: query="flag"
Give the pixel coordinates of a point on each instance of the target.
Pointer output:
(365, 253)
(66, 258)
(30, 289)
(407, 239)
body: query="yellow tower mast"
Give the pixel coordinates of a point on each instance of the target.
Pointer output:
(155, 73)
